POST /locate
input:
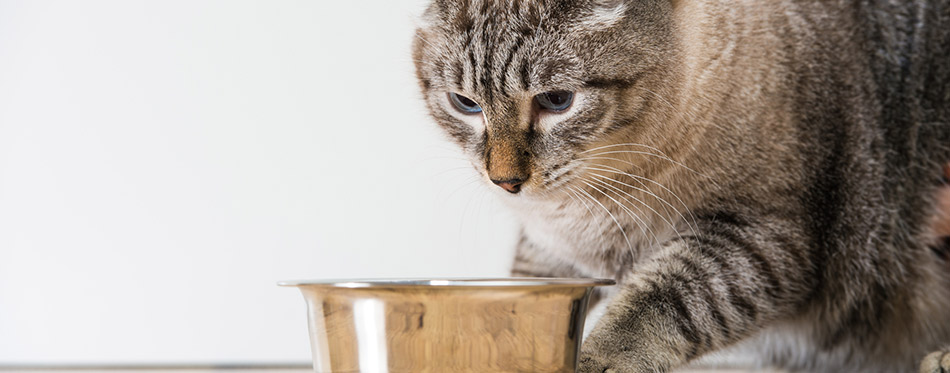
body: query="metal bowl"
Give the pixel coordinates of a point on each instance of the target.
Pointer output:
(449, 325)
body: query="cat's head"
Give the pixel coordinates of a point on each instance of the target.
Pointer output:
(533, 90)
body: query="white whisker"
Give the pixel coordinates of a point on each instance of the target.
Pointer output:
(689, 212)
(589, 210)
(471, 179)
(645, 188)
(619, 226)
(453, 169)
(667, 220)
(642, 224)
(624, 144)
(661, 98)
(581, 200)
(609, 159)
(663, 157)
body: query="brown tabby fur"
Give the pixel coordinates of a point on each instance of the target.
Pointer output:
(758, 175)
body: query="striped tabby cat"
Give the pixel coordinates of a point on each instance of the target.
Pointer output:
(758, 176)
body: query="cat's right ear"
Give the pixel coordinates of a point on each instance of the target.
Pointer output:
(450, 7)
(418, 43)
(451, 13)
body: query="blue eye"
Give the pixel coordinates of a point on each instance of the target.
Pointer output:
(555, 101)
(464, 104)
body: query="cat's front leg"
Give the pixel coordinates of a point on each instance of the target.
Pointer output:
(700, 293)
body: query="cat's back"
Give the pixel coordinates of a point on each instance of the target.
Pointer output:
(871, 84)
(908, 48)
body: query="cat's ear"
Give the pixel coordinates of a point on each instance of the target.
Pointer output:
(449, 6)
(608, 3)
(605, 14)
(448, 12)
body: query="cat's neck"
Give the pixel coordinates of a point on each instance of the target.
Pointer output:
(590, 231)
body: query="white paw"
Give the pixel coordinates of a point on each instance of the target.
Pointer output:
(936, 362)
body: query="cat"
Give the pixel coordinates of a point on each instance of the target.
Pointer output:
(758, 176)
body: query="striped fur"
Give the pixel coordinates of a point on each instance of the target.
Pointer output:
(757, 175)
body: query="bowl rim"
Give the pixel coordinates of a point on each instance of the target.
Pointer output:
(449, 282)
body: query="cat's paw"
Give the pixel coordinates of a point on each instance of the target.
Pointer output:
(593, 362)
(591, 365)
(601, 356)
(937, 362)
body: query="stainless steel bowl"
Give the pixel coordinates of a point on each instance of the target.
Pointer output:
(450, 325)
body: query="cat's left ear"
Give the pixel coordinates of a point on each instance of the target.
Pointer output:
(605, 14)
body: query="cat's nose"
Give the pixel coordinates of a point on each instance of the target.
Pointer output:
(511, 185)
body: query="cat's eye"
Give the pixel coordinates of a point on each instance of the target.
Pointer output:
(464, 104)
(555, 101)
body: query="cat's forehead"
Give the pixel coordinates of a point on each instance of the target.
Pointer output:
(519, 14)
(465, 14)
(508, 46)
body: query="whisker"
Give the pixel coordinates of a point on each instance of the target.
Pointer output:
(609, 159)
(589, 210)
(423, 39)
(453, 169)
(556, 177)
(441, 157)
(642, 224)
(663, 157)
(623, 144)
(581, 200)
(665, 206)
(689, 212)
(661, 98)
(482, 198)
(565, 193)
(619, 226)
(464, 210)
(668, 219)
(645, 188)
(471, 179)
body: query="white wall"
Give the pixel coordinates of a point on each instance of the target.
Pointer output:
(164, 163)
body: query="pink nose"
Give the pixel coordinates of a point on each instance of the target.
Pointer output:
(511, 185)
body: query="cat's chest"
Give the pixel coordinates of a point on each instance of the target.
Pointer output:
(590, 236)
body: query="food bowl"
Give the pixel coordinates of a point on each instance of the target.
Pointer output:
(450, 325)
